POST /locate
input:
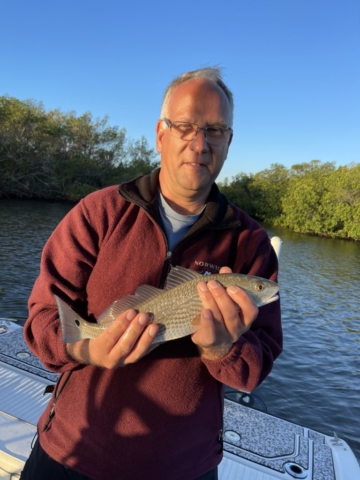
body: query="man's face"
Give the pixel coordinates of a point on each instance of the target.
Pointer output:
(189, 168)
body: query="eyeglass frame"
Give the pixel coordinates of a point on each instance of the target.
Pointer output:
(169, 124)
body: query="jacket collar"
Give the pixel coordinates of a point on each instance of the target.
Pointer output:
(143, 192)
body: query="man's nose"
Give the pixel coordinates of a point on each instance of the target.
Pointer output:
(199, 142)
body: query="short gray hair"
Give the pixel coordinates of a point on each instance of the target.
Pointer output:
(213, 74)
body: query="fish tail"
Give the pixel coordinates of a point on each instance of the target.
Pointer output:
(71, 322)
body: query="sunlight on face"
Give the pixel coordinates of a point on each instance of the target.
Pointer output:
(189, 168)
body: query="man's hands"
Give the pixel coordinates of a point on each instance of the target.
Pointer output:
(125, 341)
(222, 322)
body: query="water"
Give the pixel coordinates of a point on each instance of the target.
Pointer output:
(25, 227)
(316, 380)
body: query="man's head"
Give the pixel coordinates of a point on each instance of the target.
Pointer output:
(193, 135)
(212, 74)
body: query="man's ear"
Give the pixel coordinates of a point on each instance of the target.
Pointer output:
(159, 135)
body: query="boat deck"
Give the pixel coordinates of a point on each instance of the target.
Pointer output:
(257, 445)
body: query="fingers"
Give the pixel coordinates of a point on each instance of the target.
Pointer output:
(110, 337)
(206, 292)
(248, 310)
(125, 341)
(224, 310)
(232, 309)
(205, 336)
(225, 270)
(122, 342)
(211, 344)
(138, 348)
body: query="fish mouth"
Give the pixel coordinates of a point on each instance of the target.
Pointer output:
(272, 299)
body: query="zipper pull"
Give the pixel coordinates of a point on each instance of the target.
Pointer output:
(51, 414)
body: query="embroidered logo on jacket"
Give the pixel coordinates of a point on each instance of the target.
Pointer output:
(207, 268)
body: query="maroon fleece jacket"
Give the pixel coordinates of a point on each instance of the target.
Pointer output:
(161, 417)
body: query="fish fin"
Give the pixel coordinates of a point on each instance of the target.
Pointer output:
(179, 275)
(195, 322)
(142, 294)
(116, 308)
(145, 292)
(70, 322)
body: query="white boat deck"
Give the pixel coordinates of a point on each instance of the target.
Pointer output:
(22, 383)
(257, 446)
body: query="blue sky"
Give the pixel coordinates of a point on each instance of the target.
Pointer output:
(293, 66)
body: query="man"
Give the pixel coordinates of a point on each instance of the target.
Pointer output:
(129, 411)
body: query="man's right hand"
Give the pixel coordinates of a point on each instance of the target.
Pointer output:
(123, 342)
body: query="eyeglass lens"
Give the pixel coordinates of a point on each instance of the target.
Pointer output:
(188, 131)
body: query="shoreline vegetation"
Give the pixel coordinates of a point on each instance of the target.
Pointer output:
(56, 156)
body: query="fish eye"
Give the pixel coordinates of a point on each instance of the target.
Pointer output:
(259, 287)
(77, 323)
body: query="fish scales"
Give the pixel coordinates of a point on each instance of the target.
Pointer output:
(176, 309)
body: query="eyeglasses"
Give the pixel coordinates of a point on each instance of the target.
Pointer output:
(188, 131)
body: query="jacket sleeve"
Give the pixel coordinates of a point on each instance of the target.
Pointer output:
(66, 263)
(251, 358)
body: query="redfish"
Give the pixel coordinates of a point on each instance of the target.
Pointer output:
(176, 309)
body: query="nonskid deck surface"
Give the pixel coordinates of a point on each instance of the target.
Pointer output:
(257, 445)
(22, 383)
(14, 351)
(23, 377)
(282, 447)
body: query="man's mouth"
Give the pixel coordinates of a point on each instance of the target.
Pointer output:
(196, 165)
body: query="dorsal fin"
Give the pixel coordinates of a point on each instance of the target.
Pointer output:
(179, 275)
(143, 293)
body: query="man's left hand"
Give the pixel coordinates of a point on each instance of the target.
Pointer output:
(228, 314)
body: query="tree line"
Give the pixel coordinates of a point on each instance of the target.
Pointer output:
(61, 156)
(314, 198)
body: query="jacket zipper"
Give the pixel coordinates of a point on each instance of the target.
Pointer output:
(166, 268)
(57, 391)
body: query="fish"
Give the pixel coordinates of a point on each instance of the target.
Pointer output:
(176, 309)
